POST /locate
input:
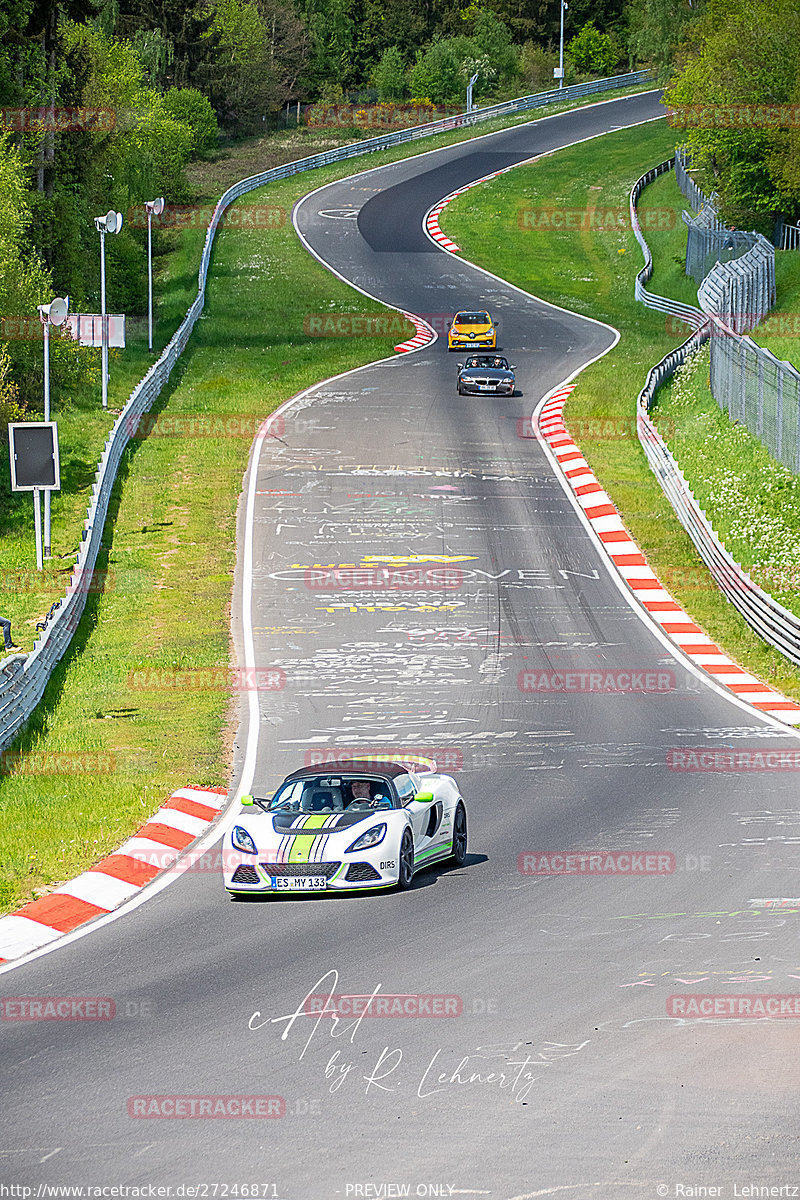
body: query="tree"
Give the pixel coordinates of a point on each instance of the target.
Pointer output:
(437, 73)
(390, 75)
(536, 67)
(741, 65)
(656, 29)
(592, 52)
(192, 108)
(332, 34)
(24, 283)
(491, 38)
(260, 49)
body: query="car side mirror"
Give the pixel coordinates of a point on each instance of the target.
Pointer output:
(512, 367)
(247, 802)
(459, 365)
(424, 797)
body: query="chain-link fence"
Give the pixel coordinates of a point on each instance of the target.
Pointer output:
(763, 613)
(708, 240)
(760, 391)
(741, 293)
(750, 384)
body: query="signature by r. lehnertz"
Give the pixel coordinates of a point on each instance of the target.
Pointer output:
(512, 1068)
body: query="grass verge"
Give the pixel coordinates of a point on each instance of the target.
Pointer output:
(591, 270)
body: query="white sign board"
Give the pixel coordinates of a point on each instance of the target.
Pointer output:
(87, 328)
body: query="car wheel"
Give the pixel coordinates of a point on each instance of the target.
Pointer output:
(405, 872)
(460, 390)
(459, 855)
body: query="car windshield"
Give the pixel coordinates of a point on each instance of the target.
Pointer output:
(326, 794)
(471, 318)
(486, 362)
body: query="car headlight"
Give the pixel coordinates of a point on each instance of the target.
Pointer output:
(467, 379)
(491, 332)
(372, 837)
(241, 839)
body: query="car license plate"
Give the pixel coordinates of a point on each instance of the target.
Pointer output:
(486, 387)
(299, 883)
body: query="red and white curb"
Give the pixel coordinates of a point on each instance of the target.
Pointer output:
(423, 335)
(155, 847)
(641, 579)
(431, 222)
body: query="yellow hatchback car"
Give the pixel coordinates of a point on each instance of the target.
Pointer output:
(472, 329)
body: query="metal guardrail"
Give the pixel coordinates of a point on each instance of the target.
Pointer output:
(693, 317)
(770, 620)
(23, 679)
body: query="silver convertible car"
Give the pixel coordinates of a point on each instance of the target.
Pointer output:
(486, 373)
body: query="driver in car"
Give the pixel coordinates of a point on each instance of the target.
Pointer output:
(362, 797)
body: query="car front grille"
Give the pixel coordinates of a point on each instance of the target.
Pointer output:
(328, 869)
(476, 381)
(361, 873)
(245, 874)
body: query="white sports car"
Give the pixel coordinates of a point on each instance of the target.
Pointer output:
(363, 823)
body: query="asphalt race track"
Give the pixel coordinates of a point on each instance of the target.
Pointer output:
(563, 1071)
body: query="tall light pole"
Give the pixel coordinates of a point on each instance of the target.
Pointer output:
(154, 208)
(110, 223)
(564, 7)
(54, 313)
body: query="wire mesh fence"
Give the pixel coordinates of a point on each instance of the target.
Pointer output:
(747, 381)
(774, 623)
(708, 240)
(741, 293)
(760, 391)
